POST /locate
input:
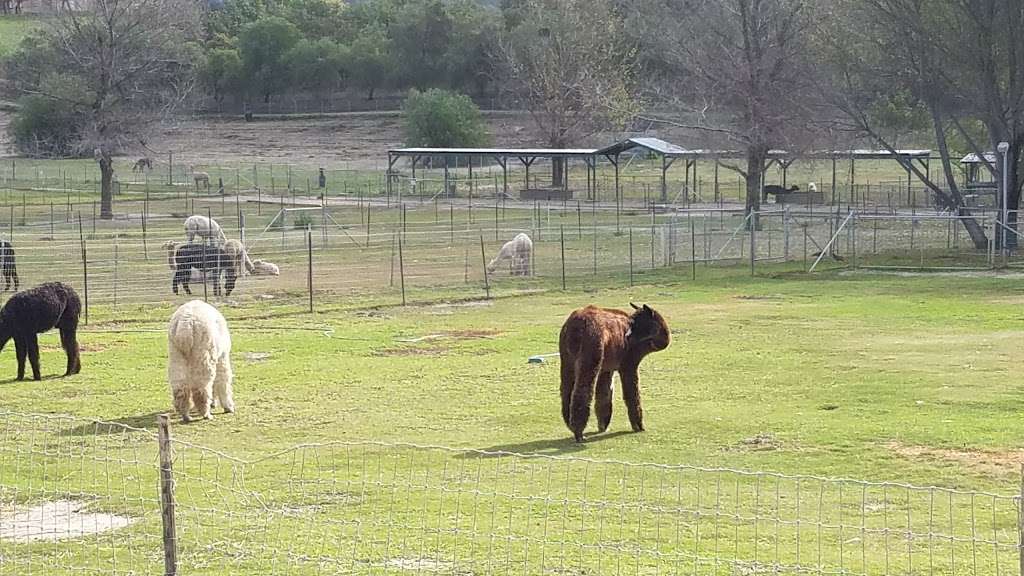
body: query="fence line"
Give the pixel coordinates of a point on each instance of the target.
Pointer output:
(86, 497)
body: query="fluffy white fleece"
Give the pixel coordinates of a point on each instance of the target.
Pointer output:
(199, 362)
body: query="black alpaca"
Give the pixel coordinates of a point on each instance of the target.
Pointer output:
(8, 266)
(28, 313)
(203, 257)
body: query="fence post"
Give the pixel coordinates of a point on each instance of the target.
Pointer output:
(145, 217)
(561, 235)
(693, 251)
(754, 222)
(401, 267)
(391, 275)
(85, 267)
(483, 258)
(170, 535)
(309, 262)
(369, 208)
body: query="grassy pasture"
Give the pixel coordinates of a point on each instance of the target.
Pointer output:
(855, 375)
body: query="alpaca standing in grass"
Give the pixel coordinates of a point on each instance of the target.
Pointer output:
(205, 228)
(518, 250)
(594, 343)
(29, 313)
(8, 265)
(199, 360)
(190, 258)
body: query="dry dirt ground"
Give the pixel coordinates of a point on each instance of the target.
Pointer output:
(350, 140)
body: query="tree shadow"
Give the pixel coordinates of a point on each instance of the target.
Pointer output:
(117, 426)
(551, 447)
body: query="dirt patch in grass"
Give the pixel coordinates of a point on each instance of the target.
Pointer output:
(432, 350)
(984, 461)
(50, 521)
(81, 347)
(760, 442)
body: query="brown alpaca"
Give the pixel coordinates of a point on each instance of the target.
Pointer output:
(595, 342)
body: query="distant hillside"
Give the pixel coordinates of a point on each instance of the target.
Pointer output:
(13, 29)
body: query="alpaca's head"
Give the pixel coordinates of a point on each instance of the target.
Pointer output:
(647, 329)
(170, 245)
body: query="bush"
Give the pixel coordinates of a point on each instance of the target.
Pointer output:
(303, 221)
(44, 127)
(442, 119)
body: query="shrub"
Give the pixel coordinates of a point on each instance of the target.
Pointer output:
(44, 127)
(303, 220)
(442, 119)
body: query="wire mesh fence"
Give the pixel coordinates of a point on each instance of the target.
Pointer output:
(418, 252)
(85, 498)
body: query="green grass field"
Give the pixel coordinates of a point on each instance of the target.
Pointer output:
(851, 375)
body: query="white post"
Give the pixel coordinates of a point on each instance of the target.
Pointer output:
(1004, 149)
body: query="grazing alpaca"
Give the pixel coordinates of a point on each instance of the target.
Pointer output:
(205, 228)
(595, 342)
(203, 177)
(142, 165)
(28, 313)
(199, 359)
(518, 250)
(812, 187)
(264, 268)
(203, 258)
(8, 265)
(239, 255)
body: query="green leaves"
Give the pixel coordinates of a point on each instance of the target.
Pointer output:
(442, 119)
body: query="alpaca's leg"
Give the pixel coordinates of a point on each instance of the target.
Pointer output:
(20, 350)
(229, 282)
(587, 368)
(603, 405)
(33, 355)
(203, 376)
(222, 384)
(69, 341)
(631, 395)
(568, 370)
(182, 402)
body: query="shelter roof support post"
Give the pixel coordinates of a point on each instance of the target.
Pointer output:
(503, 162)
(447, 186)
(614, 159)
(718, 196)
(853, 181)
(833, 179)
(392, 158)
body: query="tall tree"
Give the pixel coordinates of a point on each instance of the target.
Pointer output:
(119, 66)
(371, 60)
(263, 46)
(961, 62)
(569, 63)
(741, 70)
(316, 65)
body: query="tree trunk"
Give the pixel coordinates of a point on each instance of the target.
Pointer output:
(106, 186)
(558, 172)
(954, 200)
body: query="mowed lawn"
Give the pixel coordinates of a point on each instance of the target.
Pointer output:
(866, 376)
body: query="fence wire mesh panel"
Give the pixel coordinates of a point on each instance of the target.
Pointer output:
(77, 497)
(83, 497)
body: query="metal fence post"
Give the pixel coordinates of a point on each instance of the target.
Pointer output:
(309, 261)
(561, 235)
(483, 258)
(85, 267)
(170, 538)
(401, 267)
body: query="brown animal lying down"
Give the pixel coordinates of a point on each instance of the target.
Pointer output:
(595, 342)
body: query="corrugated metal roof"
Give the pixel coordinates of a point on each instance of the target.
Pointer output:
(526, 152)
(653, 144)
(972, 158)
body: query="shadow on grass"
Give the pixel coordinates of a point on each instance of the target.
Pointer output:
(552, 447)
(99, 428)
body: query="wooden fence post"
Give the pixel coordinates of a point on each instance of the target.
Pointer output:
(170, 536)
(483, 258)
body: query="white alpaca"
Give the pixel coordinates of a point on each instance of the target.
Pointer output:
(199, 363)
(518, 250)
(264, 268)
(240, 256)
(812, 187)
(206, 228)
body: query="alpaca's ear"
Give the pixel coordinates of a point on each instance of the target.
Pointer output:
(635, 307)
(647, 308)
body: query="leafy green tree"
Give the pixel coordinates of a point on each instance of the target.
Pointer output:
(371, 60)
(45, 127)
(317, 65)
(225, 23)
(441, 119)
(421, 34)
(221, 73)
(316, 18)
(262, 46)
